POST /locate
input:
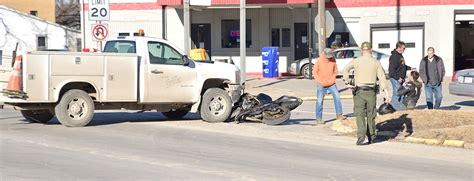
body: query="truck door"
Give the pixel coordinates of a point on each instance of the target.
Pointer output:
(167, 79)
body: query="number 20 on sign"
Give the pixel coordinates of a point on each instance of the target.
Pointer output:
(99, 10)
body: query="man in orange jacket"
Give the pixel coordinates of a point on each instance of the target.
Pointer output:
(325, 72)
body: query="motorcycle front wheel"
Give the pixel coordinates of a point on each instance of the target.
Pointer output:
(276, 116)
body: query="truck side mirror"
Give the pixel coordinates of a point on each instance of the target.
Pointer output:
(185, 60)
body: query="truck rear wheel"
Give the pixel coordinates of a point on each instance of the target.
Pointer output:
(38, 116)
(216, 105)
(175, 114)
(75, 109)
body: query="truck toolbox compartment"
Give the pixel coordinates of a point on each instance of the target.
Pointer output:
(71, 65)
(36, 77)
(121, 78)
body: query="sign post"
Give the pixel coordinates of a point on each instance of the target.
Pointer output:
(99, 10)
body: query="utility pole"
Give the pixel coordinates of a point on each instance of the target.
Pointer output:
(243, 40)
(187, 29)
(322, 25)
(83, 24)
(310, 42)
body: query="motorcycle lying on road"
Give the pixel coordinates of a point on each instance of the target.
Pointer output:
(262, 108)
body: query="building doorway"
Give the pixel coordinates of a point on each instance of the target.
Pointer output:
(301, 41)
(464, 40)
(201, 37)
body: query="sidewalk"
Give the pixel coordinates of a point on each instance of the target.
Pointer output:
(291, 86)
(303, 88)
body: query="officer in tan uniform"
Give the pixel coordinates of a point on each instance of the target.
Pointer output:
(366, 72)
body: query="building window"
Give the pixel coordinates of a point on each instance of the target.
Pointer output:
(41, 43)
(231, 33)
(276, 37)
(285, 37)
(384, 45)
(410, 45)
(280, 37)
(34, 13)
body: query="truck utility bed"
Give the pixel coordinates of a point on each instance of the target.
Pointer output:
(113, 75)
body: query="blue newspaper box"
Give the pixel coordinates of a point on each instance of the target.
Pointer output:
(270, 57)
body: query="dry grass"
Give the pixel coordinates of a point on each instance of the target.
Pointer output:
(432, 124)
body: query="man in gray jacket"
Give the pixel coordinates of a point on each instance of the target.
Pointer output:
(432, 73)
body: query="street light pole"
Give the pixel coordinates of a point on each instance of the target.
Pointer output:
(186, 27)
(310, 40)
(243, 40)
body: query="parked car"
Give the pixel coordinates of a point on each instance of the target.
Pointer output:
(462, 83)
(343, 57)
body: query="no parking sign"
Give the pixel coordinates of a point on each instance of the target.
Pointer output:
(100, 32)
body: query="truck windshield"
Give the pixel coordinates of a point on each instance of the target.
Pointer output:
(120, 46)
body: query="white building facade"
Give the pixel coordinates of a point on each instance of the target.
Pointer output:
(448, 26)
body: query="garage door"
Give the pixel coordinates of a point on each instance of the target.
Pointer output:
(384, 40)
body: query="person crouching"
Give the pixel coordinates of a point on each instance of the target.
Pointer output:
(411, 91)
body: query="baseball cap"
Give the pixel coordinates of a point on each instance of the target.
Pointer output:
(328, 53)
(365, 45)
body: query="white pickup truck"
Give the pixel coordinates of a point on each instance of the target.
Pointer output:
(133, 73)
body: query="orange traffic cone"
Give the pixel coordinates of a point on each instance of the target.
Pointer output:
(14, 84)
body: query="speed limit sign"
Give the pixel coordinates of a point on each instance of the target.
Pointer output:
(99, 10)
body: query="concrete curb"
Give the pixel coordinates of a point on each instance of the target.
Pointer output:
(423, 141)
(454, 143)
(327, 97)
(339, 127)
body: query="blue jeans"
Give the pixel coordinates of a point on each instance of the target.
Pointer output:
(321, 92)
(438, 94)
(397, 101)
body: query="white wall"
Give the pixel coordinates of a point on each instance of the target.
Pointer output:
(439, 24)
(438, 20)
(19, 28)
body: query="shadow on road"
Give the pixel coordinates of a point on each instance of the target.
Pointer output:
(465, 103)
(108, 118)
(391, 128)
(299, 122)
(121, 117)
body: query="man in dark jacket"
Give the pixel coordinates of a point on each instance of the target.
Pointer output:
(397, 70)
(432, 73)
(411, 91)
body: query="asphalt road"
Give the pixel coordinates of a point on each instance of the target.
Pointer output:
(132, 146)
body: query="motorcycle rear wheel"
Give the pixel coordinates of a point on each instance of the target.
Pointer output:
(276, 117)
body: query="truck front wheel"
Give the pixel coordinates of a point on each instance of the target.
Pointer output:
(216, 105)
(75, 109)
(38, 116)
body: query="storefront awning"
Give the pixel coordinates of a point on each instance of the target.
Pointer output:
(236, 2)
